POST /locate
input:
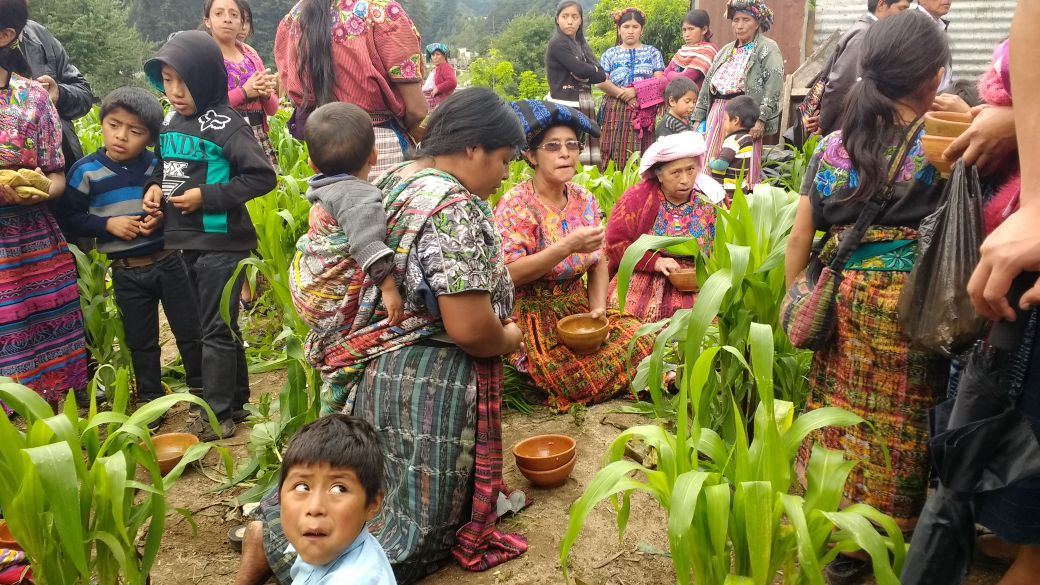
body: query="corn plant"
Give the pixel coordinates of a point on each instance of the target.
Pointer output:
(732, 517)
(102, 320)
(750, 241)
(789, 172)
(84, 496)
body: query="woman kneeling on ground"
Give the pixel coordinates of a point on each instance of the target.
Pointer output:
(431, 386)
(552, 237)
(673, 199)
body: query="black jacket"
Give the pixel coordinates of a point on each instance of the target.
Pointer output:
(568, 70)
(46, 56)
(214, 150)
(841, 74)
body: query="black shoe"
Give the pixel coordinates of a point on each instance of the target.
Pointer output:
(155, 424)
(846, 570)
(201, 429)
(240, 416)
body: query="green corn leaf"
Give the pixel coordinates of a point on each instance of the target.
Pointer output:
(55, 465)
(757, 499)
(866, 537)
(635, 253)
(809, 564)
(814, 420)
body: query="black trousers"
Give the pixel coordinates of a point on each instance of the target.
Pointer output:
(138, 294)
(225, 373)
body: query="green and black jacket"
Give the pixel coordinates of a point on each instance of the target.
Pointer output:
(214, 149)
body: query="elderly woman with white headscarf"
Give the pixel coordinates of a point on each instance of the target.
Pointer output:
(673, 199)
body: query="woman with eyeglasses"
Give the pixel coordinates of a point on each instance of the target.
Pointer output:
(552, 237)
(673, 199)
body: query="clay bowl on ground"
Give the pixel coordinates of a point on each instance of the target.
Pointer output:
(684, 280)
(934, 147)
(544, 452)
(551, 478)
(170, 448)
(949, 124)
(583, 333)
(6, 540)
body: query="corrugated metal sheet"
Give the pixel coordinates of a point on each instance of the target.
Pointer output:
(976, 27)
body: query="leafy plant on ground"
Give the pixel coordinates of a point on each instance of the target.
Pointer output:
(84, 496)
(732, 516)
(101, 317)
(787, 169)
(750, 242)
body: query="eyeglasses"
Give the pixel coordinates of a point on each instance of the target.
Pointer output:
(572, 145)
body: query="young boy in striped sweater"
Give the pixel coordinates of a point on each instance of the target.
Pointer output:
(103, 200)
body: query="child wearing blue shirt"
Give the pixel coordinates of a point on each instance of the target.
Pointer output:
(103, 200)
(331, 487)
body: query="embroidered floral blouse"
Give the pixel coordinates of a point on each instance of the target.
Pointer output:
(30, 130)
(730, 77)
(374, 45)
(692, 218)
(627, 66)
(528, 226)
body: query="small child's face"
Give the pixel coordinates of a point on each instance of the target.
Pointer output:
(125, 135)
(177, 92)
(732, 125)
(683, 107)
(324, 510)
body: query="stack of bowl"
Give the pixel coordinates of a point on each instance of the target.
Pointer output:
(546, 460)
(941, 129)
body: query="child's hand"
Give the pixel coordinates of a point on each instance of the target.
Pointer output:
(149, 225)
(392, 301)
(152, 204)
(123, 227)
(188, 202)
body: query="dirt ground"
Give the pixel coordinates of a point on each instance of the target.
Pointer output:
(597, 559)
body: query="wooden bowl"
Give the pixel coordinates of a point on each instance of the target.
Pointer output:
(684, 280)
(6, 540)
(544, 452)
(170, 448)
(949, 124)
(551, 478)
(934, 147)
(583, 333)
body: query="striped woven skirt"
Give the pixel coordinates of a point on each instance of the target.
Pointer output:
(567, 378)
(869, 370)
(716, 135)
(42, 342)
(619, 139)
(651, 296)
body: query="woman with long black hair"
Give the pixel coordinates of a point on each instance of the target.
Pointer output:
(362, 53)
(869, 368)
(572, 69)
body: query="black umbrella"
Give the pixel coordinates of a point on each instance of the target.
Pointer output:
(980, 442)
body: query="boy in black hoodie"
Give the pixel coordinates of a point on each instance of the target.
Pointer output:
(211, 166)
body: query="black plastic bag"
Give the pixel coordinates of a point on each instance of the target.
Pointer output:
(934, 308)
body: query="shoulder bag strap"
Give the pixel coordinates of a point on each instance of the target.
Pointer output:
(854, 237)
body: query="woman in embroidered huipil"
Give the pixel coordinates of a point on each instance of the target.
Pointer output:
(42, 343)
(751, 65)
(252, 90)
(628, 62)
(552, 239)
(673, 199)
(362, 52)
(869, 367)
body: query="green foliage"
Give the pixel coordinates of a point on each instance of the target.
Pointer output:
(663, 25)
(789, 171)
(419, 12)
(732, 517)
(101, 317)
(495, 73)
(98, 39)
(531, 86)
(79, 494)
(750, 242)
(606, 186)
(524, 40)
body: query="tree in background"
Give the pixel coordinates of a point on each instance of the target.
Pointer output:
(419, 12)
(495, 73)
(156, 19)
(444, 14)
(524, 40)
(266, 16)
(532, 86)
(663, 25)
(99, 40)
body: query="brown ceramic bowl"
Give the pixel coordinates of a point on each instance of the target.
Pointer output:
(6, 540)
(544, 452)
(934, 147)
(170, 448)
(551, 478)
(684, 280)
(949, 124)
(583, 333)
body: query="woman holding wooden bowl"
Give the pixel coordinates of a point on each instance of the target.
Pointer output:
(552, 238)
(673, 199)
